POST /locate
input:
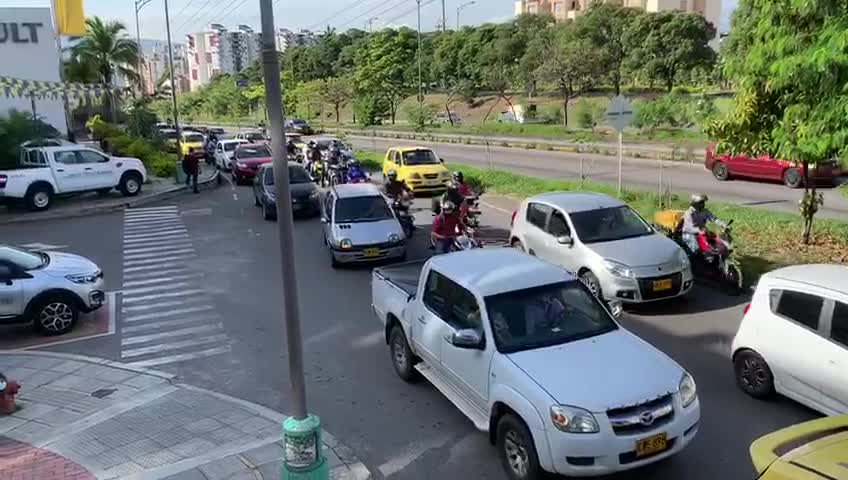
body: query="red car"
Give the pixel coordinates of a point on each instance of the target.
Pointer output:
(247, 159)
(764, 167)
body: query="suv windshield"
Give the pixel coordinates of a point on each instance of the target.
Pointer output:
(420, 157)
(252, 152)
(362, 209)
(22, 258)
(544, 316)
(609, 224)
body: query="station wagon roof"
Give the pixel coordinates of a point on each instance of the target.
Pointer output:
(350, 190)
(490, 271)
(828, 276)
(571, 202)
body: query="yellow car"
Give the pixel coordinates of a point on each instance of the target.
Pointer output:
(193, 140)
(815, 450)
(419, 167)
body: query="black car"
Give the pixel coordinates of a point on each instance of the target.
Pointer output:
(304, 192)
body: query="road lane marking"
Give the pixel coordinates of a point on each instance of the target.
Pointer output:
(168, 286)
(150, 216)
(146, 298)
(147, 261)
(153, 281)
(152, 209)
(153, 306)
(493, 207)
(172, 246)
(160, 254)
(163, 347)
(182, 358)
(136, 339)
(146, 233)
(162, 240)
(151, 221)
(178, 269)
(169, 313)
(171, 323)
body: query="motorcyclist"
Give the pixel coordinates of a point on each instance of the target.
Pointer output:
(447, 225)
(451, 195)
(695, 221)
(461, 186)
(291, 148)
(355, 172)
(394, 188)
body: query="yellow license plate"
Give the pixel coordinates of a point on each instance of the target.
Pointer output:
(660, 285)
(371, 252)
(651, 445)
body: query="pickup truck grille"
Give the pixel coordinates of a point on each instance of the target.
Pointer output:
(642, 418)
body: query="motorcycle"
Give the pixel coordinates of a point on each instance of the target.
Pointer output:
(407, 220)
(471, 212)
(717, 264)
(463, 241)
(355, 174)
(316, 169)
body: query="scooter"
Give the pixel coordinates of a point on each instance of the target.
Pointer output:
(717, 264)
(407, 220)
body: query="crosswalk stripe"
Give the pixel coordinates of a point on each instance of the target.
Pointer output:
(136, 339)
(162, 347)
(153, 281)
(130, 292)
(170, 323)
(161, 233)
(151, 209)
(164, 251)
(163, 239)
(147, 229)
(138, 273)
(174, 246)
(147, 261)
(183, 357)
(169, 313)
(149, 216)
(183, 293)
(151, 221)
(153, 306)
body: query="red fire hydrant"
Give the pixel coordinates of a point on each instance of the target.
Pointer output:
(8, 390)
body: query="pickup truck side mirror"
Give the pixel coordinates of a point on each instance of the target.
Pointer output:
(565, 240)
(467, 338)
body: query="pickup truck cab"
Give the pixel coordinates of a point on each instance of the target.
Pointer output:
(530, 356)
(50, 171)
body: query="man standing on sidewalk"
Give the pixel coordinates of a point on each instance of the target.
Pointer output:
(191, 166)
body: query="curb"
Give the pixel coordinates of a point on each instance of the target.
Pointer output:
(206, 184)
(93, 360)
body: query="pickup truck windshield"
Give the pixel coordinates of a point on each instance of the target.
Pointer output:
(544, 316)
(22, 258)
(609, 224)
(420, 157)
(362, 209)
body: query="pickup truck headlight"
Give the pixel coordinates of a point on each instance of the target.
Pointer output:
(687, 389)
(573, 419)
(618, 269)
(415, 176)
(83, 278)
(394, 238)
(345, 244)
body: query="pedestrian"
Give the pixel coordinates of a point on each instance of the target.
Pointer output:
(191, 167)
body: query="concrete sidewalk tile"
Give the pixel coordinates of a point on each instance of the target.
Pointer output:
(125, 469)
(255, 424)
(33, 411)
(107, 374)
(223, 468)
(193, 474)
(273, 452)
(42, 377)
(43, 363)
(204, 425)
(68, 366)
(174, 436)
(193, 447)
(156, 459)
(144, 381)
(20, 373)
(9, 422)
(226, 435)
(270, 471)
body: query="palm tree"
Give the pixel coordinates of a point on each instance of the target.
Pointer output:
(106, 48)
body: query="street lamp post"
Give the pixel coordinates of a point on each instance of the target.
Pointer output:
(370, 24)
(460, 9)
(304, 459)
(420, 86)
(444, 18)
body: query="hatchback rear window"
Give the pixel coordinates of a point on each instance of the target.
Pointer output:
(800, 307)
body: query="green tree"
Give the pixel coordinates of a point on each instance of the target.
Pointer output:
(788, 60)
(309, 99)
(337, 91)
(386, 67)
(106, 49)
(15, 129)
(606, 26)
(670, 44)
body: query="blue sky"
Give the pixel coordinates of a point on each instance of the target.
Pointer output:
(191, 15)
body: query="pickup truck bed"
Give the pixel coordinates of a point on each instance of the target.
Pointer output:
(393, 287)
(403, 275)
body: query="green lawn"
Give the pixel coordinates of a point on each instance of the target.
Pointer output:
(764, 240)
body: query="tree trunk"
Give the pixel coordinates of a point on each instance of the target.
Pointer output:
(565, 112)
(669, 83)
(616, 82)
(806, 234)
(338, 115)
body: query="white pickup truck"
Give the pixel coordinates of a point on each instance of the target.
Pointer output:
(530, 356)
(58, 170)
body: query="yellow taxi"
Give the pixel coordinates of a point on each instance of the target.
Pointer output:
(193, 140)
(815, 450)
(419, 167)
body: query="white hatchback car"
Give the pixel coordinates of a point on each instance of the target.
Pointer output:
(793, 338)
(224, 151)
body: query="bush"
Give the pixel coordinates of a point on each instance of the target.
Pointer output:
(155, 155)
(17, 128)
(100, 129)
(419, 116)
(666, 111)
(550, 114)
(162, 165)
(370, 110)
(141, 121)
(588, 113)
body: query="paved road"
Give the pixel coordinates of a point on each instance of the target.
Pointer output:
(225, 333)
(683, 178)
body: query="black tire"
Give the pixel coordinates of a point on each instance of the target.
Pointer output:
(130, 185)
(516, 244)
(403, 360)
(267, 213)
(39, 198)
(753, 374)
(733, 280)
(592, 283)
(720, 171)
(793, 178)
(55, 314)
(517, 450)
(104, 191)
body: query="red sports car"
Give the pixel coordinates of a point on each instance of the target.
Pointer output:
(764, 167)
(247, 159)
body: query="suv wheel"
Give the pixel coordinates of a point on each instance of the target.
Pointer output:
(55, 314)
(753, 374)
(516, 449)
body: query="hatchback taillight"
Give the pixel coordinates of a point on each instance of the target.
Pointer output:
(512, 220)
(3, 179)
(745, 310)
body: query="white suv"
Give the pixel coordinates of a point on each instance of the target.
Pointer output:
(49, 289)
(794, 337)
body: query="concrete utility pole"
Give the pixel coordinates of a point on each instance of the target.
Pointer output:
(370, 24)
(444, 18)
(304, 459)
(173, 83)
(139, 4)
(460, 9)
(420, 86)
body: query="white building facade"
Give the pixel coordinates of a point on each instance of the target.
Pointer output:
(218, 50)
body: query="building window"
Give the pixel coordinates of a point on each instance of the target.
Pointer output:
(208, 57)
(558, 9)
(684, 5)
(196, 58)
(194, 74)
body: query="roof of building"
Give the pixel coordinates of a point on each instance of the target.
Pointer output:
(490, 271)
(572, 202)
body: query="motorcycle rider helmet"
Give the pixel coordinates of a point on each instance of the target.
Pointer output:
(458, 176)
(448, 207)
(391, 175)
(698, 200)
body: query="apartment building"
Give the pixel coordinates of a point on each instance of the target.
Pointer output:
(286, 38)
(217, 50)
(155, 65)
(569, 9)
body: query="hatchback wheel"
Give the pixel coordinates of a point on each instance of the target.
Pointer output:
(516, 449)
(753, 374)
(592, 283)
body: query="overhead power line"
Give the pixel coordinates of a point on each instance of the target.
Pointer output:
(407, 12)
(371, 10)
(193, 18)
(346, 8)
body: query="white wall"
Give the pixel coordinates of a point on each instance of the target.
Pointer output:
(30, 58)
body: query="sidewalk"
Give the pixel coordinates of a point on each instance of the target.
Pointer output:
(82, 418)
(90, 203)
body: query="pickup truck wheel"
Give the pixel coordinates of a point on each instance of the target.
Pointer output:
(793, 178)
(720, 171)
(516, 449)
(38, 198)
(55, 314)
(130, 185)
(402, 357)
